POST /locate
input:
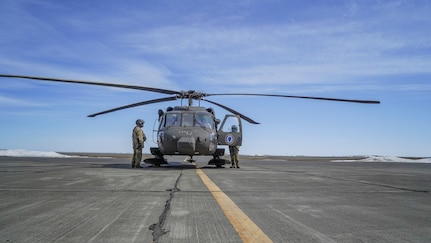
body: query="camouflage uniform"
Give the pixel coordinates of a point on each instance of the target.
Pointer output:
(234, 157)
(139, 138)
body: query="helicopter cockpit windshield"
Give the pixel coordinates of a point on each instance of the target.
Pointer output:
(204, 120)
(191, 119)
(173, 120)
(187, 120)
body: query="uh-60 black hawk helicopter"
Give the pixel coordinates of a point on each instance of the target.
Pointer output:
(190, 130)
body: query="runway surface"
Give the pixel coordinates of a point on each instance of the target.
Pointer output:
(283, 199)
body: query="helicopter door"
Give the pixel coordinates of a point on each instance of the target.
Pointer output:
(230, 131)
(157, 123)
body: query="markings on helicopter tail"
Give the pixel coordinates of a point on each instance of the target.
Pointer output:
(246, 228)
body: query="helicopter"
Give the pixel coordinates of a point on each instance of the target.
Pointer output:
(188, 129)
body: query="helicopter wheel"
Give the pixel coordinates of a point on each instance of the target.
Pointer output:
(156, 162)
(218, 162)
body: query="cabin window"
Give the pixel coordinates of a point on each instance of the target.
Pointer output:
(229, 124)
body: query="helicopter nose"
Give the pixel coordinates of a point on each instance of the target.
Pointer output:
(186, 145)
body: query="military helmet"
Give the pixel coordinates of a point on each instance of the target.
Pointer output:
(234, 128)
(140, 122)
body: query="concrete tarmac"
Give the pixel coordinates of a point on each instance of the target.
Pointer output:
(290, 199)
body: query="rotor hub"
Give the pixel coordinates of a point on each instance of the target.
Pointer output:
(191, 94)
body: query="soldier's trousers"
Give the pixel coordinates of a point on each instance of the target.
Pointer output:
(235, 159)
(137, 157)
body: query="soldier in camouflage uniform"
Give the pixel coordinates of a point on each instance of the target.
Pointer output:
(138, 137)
(234, 150)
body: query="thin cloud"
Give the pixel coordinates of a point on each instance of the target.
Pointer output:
(13, 102)
(298, 53)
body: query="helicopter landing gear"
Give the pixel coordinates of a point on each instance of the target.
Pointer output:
(216, 160)
(189, 159)
(158, 158)
(156, 161)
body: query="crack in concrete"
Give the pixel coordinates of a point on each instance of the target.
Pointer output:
(157, 228)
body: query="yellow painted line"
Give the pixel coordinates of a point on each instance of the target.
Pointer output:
(246, 228)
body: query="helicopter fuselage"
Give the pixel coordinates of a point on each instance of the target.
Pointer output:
(193, 130)
(187, 130)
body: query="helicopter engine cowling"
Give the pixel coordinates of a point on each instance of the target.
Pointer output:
(186, 145)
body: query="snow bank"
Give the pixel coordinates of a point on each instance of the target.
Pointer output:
(28, 153)
(376, 158)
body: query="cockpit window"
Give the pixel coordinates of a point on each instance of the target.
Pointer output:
(187, 120)
(204, 120)
(173, 119)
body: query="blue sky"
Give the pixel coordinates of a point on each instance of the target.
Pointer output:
(376, 50)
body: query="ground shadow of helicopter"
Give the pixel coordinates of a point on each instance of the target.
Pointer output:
(170, 165)
(190, 130)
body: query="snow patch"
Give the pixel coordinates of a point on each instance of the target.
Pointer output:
(376, 158)
(29, 153)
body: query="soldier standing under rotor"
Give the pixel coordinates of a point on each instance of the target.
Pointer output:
(234, 150)
(138, 137)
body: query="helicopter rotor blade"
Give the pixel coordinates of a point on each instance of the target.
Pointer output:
(134, 105)
(305, 97)
(163, 91)
(233, 111)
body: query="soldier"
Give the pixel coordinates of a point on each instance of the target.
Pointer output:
(233, 150)
(138, 137)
